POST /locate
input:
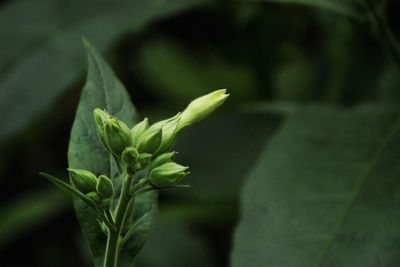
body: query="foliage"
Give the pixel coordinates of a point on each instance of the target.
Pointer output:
(298, 169)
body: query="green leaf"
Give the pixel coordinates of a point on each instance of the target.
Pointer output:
(103, 90)
(45, 55)
(325, 192)
(70, 189)
(220, 151)
(175, 244)
(342, 7)
(180, 76)
(30, 211)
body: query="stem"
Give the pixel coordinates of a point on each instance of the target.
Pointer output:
(112, 250)
(386, 33)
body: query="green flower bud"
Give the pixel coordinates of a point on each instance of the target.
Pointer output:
(167, 174)
(94, 196)
(161, 159)
(83, 180)
(130, 156)
(144, 159)
(105, 187)
(150, 141)
(101, 117)
(201, 107)
(117, 136)
(168, 135)
(138, 130)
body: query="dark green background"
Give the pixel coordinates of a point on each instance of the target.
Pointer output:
(314, 63)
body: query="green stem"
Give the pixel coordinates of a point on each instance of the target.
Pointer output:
(112, 248)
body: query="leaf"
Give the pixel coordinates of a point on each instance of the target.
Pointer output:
(325, 192)
(342, 7)
(70, 189)
(29, 212)
(103, 90)
(180, 76)
(175, 244)
(45, 55)
(220, 151)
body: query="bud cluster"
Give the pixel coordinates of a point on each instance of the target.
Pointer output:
(144, 163)
(144, 147)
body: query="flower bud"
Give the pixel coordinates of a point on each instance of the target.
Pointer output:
(117, 136)
(144, 159)
(94, 196)
(168, 135)
(83, 180)
(138, 130)
(101, 117)
(161, 159)
(130, 156)
(105, 187)
(167, 174)
(150, 141)
(201, 107)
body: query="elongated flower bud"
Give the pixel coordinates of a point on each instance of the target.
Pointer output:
(117, 136)
(201, 107)
(150, 141)
(83, 180)
(138, 130)
(167, 174)
(105, 187)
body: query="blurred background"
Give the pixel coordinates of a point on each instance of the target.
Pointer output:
(271, 55)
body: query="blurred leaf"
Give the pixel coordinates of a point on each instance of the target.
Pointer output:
(220, 151)
(174, 244)
(342, 7)
(294, 77)
(180, 76)
(389, 84)
(325, 192)
(29, 211)
(40, 52)
(103, 90)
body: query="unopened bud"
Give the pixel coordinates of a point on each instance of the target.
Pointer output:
(161, 159)
(83, 180)
(150, 141)
(168, 128)
(94, 196)
(130, 155)
(201, 107)
(138, 130)
(167, 174)
(105, 187)
(101, 117)
(117, 136)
